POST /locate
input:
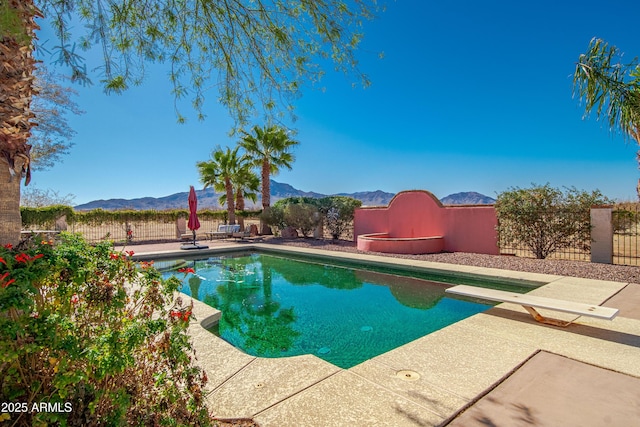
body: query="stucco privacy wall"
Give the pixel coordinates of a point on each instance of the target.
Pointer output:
(419, 213)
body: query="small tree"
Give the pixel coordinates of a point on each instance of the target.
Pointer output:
(546, 219)
(52, 138)
(338, 212)
(302, 216)
(274, 217)
(37, 198)
(300, 213)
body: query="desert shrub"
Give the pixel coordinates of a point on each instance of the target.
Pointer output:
(626, 217)
(338, 213)
(274, 217)
(335, 212)
(102, 339)
(303, 217)
(546, 219)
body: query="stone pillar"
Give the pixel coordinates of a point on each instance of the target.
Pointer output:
(61, 223)
(602, 234)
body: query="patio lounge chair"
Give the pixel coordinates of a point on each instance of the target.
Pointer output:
(224, 231)
(181, 230)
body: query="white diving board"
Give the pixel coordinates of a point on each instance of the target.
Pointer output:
(531, 301)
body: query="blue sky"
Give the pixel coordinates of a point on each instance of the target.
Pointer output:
(469, 96)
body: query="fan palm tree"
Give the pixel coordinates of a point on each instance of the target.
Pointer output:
(246, 184)
(270, 148)
(611, 89)
(17, 67)
(219, 173)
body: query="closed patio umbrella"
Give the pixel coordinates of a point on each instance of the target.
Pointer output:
(193, 223)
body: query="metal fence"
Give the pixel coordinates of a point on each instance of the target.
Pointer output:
(544, 232)
(625, 223)
(626, 228)
(133, 232)
(626, 243)
(576, 252)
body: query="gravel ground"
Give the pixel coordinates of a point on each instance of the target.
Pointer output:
(588, 270)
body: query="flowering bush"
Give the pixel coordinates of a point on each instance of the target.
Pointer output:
(88, 338)
(339, 214)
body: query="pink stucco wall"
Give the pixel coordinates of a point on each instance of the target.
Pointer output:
(420, 214)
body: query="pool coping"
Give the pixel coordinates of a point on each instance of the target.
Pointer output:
(445, 371)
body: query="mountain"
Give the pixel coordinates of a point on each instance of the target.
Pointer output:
(467, 198)
(208, 198)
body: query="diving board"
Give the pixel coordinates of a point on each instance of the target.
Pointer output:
(531, 301)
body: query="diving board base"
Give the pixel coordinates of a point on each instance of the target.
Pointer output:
(546, 320)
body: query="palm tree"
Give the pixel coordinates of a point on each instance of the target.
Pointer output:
(218, 173)
(246, 185)
(269, 147)
(611, 89)
(17, 67)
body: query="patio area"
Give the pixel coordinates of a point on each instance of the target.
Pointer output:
(496, 368)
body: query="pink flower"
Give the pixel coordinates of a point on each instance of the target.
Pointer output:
(75, 299)
(186, 270)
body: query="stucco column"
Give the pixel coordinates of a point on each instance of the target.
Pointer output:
(601, 234)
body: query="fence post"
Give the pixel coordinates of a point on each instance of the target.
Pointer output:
(602, 234)
(61, 223)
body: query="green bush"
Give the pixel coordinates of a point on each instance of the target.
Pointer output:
(302, 216)
(625, 218)
(338, 212)
(546, 219)
(335, 212)
(46, 216)
(87, 329)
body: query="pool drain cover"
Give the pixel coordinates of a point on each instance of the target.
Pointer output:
(324, 350)
(366, 328)
(408, 375)
(259, 385)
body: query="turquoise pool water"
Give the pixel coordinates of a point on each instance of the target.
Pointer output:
(275, 307)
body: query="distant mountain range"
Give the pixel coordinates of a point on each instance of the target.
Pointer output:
(208, 198)
(467, 198)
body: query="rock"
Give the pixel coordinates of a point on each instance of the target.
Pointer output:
(289, 233)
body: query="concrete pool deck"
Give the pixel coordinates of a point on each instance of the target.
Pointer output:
(500, 367)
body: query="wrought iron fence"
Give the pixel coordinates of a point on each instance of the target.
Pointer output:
(576, 252)
(546, 234)
(140, 231)
(123, 229)
(626, 229)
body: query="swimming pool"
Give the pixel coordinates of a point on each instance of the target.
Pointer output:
(275, 307)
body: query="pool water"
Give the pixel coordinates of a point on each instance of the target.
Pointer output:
(275, 307)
